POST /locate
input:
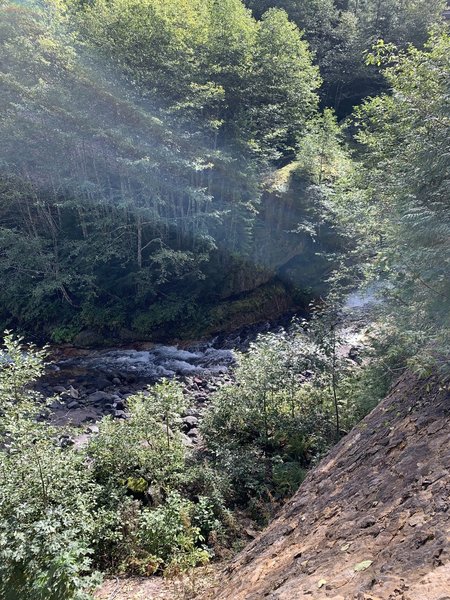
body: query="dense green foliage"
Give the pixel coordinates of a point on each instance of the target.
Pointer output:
(134, 145)
(131, 500)
(137, 136)
(165, 169)
(405, 144)
(341, 32)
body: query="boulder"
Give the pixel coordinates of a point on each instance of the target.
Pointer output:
(73, 393)
(186, 440)
(189, 423)
(92, 429)
(192, 412)
(120, 414)
(98, 396)
(59, 389)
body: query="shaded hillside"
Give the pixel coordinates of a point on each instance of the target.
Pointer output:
(372, 521)
(130, 202)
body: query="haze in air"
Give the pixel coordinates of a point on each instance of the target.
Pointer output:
(224, 266)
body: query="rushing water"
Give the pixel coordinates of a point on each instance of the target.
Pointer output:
(92, 383)
(154, 363)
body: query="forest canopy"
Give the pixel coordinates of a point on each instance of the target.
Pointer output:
(134, 147)
(166, 166)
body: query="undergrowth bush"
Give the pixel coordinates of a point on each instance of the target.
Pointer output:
(48, 497)
(156, 505)
(133, 500)
(296, 394)
(264, 431)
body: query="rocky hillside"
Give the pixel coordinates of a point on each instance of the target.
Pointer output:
(372, 522)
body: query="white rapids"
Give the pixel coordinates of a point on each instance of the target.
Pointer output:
(159, 361)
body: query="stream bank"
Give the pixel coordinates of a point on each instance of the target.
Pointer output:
(89, 384)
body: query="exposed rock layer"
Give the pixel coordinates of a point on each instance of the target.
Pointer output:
(372, 522)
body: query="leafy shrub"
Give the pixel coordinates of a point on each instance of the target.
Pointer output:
(287, 477)
(387, 355)
(168, 532)
(138, 462)
(47, 496)
(63, 334)
(145, 449)
(212, 492)
(271, 417)
(47, 508)
(159, 506)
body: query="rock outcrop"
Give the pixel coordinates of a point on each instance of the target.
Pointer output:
(372, 522)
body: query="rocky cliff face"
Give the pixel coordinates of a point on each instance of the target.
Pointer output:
(372, 522)
(281, 249)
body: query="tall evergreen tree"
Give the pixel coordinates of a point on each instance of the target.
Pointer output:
(405, 151)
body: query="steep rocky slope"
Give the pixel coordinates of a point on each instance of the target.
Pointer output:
(372, 522)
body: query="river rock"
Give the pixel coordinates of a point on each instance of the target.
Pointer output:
(192, 412)
(59, 389)
(73, 393)
(66, 440)
(155, 495)
(120, 414)
(100, 383)
(92, 429)
(88, 420)
(98, 397)
(187, 441)
(189, 423)
(201, 398)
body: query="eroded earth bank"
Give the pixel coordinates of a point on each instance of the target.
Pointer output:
(372, 522)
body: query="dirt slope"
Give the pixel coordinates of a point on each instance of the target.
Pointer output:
(382, 495)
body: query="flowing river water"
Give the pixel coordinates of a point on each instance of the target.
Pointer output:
(92, 383)
(88, 384)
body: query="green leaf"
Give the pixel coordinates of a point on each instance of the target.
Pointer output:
(362, 566)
